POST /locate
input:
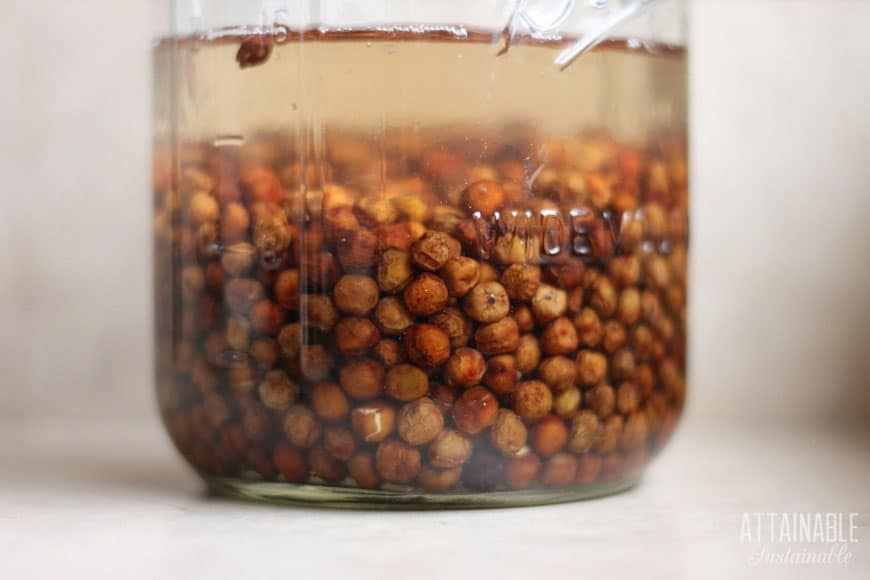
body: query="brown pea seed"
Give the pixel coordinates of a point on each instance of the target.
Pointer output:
(238, 259)
(484, 196)
(373, 421)
(290, 340)
(438, 480)
(460, 274)
(266, 317)
(238, 333)
(321, 270)
(583, 431)
(419, 421)
(525, 319)
(431, 251)
(315, 362)
(291, 462)
(602, 297)
(253, 51)
(271, 237)
(406, 382)
(301, 426)
(500, 337)
(560, 470)
(455, 325)
(508, 433)
(240, 294)
(362, 378)
(216, 409)
(591, 367)
(339, 442)
(549, 303)
(522, 470)
(622, 365)
(487, 302)
(361, 468)
(427, 346)
(567, 275)
(532, 401)
(657, 272)
(644, 378)
(629, 306)
(443, 396)
(528, 354)
(394, 270)
(235, 222)
(355, 294)
(397, 462)
(425, 295)
(589, 328)
(329, 401)
(320, 312)
(624, 271)
(465, 368)
(264, 352)
(502, 374)
(588, 468)
(357, 250)
(377, 209)
(277, 391)
(549, 436)
(325, 466)
(575, 300)
(390, 352)
(559, 337)
(392, 317)
(610, 435)
(488, 272)
(256, 423)
(614, 336)
(214, 349)
(642, 343)
(354, 336)
(475, 410)
(242, 379)
(203, 208)
(636, 431)
(558, 373)
(521, 281)
(627, 398)
(339, 221)
(214, 277)
(602, 400)
(567, 402)
(449, 449)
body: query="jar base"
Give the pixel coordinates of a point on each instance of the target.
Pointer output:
(356, 498)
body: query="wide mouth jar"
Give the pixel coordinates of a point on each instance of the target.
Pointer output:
(420, 257)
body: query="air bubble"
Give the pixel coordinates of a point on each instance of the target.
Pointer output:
(232, 359)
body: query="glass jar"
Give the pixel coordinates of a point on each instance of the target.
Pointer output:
(410, 254)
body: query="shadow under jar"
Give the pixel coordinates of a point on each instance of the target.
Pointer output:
(420, 266)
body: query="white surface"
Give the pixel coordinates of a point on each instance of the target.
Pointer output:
(113, 501)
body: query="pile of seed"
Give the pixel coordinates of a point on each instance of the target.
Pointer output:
(459, 328)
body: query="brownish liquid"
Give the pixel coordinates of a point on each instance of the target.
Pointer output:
(321, 153)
